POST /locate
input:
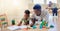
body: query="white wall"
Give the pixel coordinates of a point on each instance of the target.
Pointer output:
(13, 9)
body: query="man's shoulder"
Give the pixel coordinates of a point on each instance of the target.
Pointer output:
(33, 14)
(44, 12)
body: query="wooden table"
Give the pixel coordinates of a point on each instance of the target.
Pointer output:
(37, 29)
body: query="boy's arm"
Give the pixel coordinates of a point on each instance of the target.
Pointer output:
(48, 8)
(58, 8)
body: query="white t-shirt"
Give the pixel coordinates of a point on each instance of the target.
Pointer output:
(44, 15)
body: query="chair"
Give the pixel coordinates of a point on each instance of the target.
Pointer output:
(3, 20)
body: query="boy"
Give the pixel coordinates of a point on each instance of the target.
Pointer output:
(54, 10)
(53, 7)
(25, 19)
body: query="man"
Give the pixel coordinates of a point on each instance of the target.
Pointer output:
(53, 7)
(39, 14)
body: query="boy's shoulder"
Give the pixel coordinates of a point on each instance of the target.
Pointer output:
(22, 19)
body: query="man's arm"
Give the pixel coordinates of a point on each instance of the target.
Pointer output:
(32, 20)
(45, 15)
(20, 23)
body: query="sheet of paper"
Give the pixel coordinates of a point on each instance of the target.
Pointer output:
(16, 27)
(13, 27)
(23, 26)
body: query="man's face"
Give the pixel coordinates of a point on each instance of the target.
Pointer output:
(37, 12)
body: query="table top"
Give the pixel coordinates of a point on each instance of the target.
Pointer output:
(37, 29)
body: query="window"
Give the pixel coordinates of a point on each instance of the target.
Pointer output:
(58, 1)
(53, 1)
(38, 1)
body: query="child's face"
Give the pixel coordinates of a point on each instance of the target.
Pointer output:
(37, 12)
(26, 16)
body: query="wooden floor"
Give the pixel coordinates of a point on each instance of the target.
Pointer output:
(58, 22)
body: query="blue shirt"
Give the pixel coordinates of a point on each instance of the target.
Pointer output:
(54, 9)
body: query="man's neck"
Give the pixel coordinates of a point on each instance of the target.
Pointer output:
(38, 14)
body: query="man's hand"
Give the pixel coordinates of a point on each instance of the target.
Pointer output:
(20, 24)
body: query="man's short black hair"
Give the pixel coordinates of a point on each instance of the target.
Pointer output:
(37, 6)
(27, 11)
